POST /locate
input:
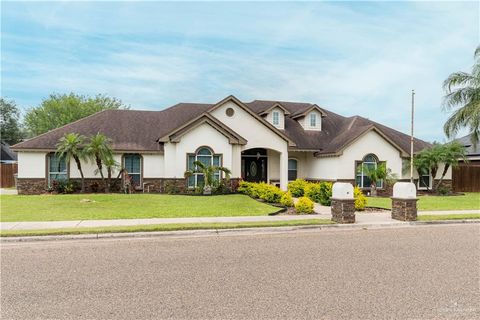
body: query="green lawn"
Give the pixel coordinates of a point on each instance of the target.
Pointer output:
(164, 227)
(435, 217)
(469, 201)
(122, 206)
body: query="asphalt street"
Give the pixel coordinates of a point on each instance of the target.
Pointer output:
(420, 272)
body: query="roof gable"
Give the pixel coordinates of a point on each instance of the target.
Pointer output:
(175, 135)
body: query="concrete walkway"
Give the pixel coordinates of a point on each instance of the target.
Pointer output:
(8, 191)
(383, 217)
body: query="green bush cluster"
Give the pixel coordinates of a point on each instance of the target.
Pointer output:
(297, 188)
(65, 186)
(262, 190)
(286, 200)
(304, 205)
(317, 192)
(360, 199)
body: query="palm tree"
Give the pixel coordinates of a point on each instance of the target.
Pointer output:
(99, 150)
(375, 174)
(69, 146)
(451, 153)
(208, 173)
(463, 90)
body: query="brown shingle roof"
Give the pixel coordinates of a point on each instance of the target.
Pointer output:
(133, 130)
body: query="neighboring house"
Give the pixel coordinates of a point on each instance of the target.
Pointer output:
(8, 166)
(466, 177)
(271, 141)
(6, 154)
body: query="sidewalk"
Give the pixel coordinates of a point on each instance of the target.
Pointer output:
(383, 217)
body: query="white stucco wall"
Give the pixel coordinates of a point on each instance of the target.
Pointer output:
(281, 118)
(257, 134)
(153, 165)
(89, 167)
(203, 135)
(343, 167)
(31, 164)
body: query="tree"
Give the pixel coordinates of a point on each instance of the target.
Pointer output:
(451, 153)
(375, 174)
(71, 145)
(111, 165)
(463, 91)
(429, 160)
(208, 173)
(99, 150)
(61, 109)
(11, 131)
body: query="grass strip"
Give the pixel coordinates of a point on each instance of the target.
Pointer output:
(163, 227)
(435, 217)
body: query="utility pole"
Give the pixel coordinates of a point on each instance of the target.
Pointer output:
(411, 137)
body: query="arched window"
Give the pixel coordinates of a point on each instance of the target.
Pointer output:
(292, 169)
(57, 168)
(362, 180)
(133, 164)
(206, 156)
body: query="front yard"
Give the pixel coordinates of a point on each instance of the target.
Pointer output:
(469, 201)
(122, 206)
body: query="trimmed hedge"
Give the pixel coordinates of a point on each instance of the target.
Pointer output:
(297, 188)
(262, 190)
(319, 192)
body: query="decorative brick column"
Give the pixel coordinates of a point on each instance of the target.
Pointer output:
(404, 209)
(343, 203)
(343, 210)
(404, 201)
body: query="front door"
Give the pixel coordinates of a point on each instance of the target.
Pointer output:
(254, 165)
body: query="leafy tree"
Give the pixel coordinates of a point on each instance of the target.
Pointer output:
(61, 109)
(71, 145)
(11, 131)
(111, 165)
(463, 91)
(208, 173)
(100, 150)
(375, 174)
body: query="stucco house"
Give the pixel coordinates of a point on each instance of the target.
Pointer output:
(271, 141)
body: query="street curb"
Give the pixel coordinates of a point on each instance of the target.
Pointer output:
(233, 231)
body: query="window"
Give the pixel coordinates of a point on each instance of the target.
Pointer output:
(57, 168)
(424, 180)
(133, 165)
(292, 169)
(205, 156)
(362, 180)
(313, 120)
(276, 118)
(230, 112)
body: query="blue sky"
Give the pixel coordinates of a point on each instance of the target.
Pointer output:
(349, 57)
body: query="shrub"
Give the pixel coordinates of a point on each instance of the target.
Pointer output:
(262, 190)
(269, 192)
(286, 200)
(319, 192)
(360, 199)
(297, 188)
(304, 205)
(248, 188)
(443, 191)
(65, 186)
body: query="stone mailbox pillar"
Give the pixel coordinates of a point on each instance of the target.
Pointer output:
(404, 201)
(343, 203)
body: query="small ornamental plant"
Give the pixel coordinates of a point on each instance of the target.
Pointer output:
(360, 199)
(286, 200)
(304, 205)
